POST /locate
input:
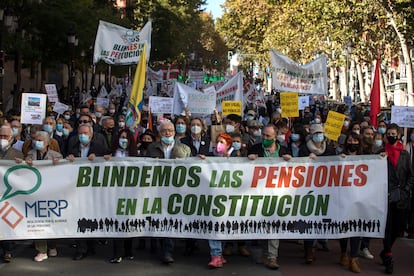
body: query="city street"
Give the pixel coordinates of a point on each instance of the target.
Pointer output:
(145, 263)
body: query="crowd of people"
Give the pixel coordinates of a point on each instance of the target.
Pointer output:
(92, 131)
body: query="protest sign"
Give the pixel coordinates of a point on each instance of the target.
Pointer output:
(289, 104)
(33, 108)
(161, 105)
(333, 125)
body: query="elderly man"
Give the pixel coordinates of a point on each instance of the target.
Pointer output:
(7, 152)
(87, 147)
(168, 148)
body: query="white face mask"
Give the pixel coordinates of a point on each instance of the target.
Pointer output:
(257, 133)
(4, 143)
(196, 129)
(230, 128)
(281, 138)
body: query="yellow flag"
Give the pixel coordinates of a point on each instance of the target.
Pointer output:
(136, 99)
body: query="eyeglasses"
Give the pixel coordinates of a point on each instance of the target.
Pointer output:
(84, 121)
(165, 131)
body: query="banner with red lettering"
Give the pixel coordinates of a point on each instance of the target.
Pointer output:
(288, 75)
(216, 198)
(231, 91)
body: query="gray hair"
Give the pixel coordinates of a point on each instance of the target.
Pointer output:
(9, 128)
(44, 135)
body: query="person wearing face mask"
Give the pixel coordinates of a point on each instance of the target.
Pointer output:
(255, 132)
(297, 138)
(145, 139)
(16, 127)
(7, 152)
(108, 129)
(400, 183)
(28, 144)
(251, 115)
(355, 127)
(41, 151)
(85, 147)
(123, 146)
(181, 126)
(167, 148)
(223, 149)
(352, 147)
(382, 127)
(270, 148)
(198, 141)
(121, 122)
(99, 112)
(315, 146)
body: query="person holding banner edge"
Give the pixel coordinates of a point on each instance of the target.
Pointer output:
(167, 148)
(269, 148)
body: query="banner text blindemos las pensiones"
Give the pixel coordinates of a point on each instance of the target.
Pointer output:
(215, 198)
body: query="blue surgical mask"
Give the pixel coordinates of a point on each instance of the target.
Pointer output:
(65, 132)
(180, 129)
(15, 131)
(59, 127)
(378, 143)
(84, 139)
(249, 117)
(98, 114)
(382, 130)
(39, 145)
(236, 145)
(294, 137)
(339, 150)
(167, 140)
(48, 128)
(318, 137)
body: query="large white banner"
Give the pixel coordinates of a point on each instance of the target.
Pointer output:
(215, 198)
(121, 46)
(231, 91)
(287, 75)
(403, 116)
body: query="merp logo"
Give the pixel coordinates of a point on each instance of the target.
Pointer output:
(19, 180)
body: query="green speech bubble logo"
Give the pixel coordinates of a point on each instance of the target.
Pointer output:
(9, 189)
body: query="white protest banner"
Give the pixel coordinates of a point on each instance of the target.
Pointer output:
(215, 198)
(52, 93)
(60, 108)
(118, 45)
(161, 105)
(303, 102)
(196, 77)
(287, 75)
(102, 101)
(197, 102)
(231, 91)
(33, 108)
(210, 89)
(403, 116)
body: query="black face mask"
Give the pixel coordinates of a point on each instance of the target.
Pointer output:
(353, 147)
(392, 139)
(144, 145)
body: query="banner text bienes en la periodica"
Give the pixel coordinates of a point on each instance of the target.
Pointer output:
(216, 198)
